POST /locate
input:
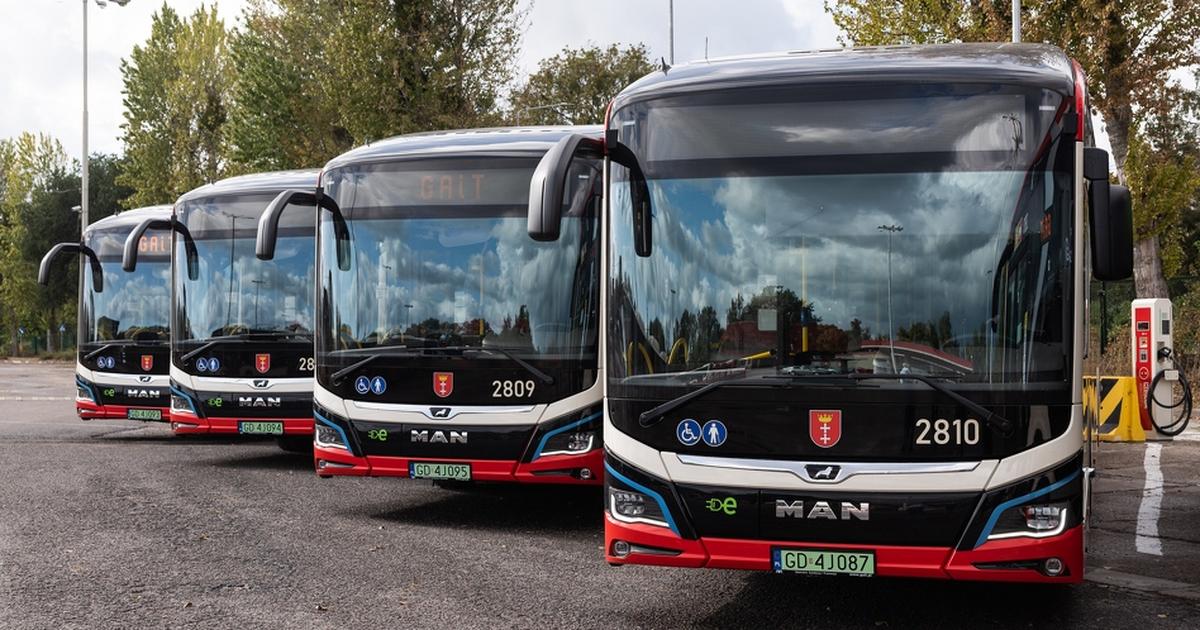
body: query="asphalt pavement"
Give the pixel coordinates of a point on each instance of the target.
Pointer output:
(117, 524)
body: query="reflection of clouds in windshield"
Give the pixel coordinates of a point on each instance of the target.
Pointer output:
(819, 236)
(140, 299)
(456, 271)
(260, 295)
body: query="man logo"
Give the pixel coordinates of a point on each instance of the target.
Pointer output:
(260, 383)
(822, 510)
(259, 401)
(438, 437)
(145, 379)
(825, 427)
(132, 392)
(262, 363)
(819, 472)
(439, 412)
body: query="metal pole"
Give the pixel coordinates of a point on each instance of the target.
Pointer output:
(671, 29)
(83, 163)
(1016, 21)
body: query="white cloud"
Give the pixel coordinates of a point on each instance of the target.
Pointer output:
(40, 87)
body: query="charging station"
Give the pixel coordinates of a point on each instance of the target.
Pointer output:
(1162, 416)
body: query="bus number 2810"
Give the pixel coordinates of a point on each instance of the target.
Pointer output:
(941, 432)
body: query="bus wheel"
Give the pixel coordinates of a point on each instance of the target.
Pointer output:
(295, 443)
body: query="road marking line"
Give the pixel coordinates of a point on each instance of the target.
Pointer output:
(8, 398)
(1147, 540)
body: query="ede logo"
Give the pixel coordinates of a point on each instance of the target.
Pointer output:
(825, 426)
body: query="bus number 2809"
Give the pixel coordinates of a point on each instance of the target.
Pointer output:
(942, 432)
(512, 389)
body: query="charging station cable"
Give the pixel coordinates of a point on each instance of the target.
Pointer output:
(1184, 404)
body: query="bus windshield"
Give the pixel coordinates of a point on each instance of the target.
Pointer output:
(909, 229)
(440, 258)
(236, 293)
(133, 306)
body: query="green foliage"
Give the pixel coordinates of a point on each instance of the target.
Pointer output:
(1163, 184)
(316, 79)
(583, 80)
(176, 90)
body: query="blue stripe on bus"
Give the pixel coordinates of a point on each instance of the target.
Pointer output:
(643, 489)
(545, 438)
(991, 523)
(324, 420)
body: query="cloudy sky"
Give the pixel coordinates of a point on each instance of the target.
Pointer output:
(40, 86)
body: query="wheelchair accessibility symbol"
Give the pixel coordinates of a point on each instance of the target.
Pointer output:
(688, 432)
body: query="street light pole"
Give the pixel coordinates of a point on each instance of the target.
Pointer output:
(1016, 21)
(83, 163)
(891, 229)
(671, 30)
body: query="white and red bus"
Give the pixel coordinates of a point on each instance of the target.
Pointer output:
(448, 345)
(122, 358)
(845, 311)
(241, 344)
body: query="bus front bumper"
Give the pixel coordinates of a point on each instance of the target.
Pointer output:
(1011, 560)
(88, 410)
(583, 469)
(187, 424)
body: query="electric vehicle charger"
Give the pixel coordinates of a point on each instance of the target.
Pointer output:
(1180, 423)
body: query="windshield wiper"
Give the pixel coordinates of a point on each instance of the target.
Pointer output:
(244, 338)
(121, 343)
(997, 421)
(655, 415)
(545, 378)
(393, 351)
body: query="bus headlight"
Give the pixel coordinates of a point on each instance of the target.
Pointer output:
(329, 437)
(569, 443)
(180, 404)
(83, 393)
(1037, 520)
(628, 506)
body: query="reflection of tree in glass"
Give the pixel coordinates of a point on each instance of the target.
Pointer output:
(932, 333)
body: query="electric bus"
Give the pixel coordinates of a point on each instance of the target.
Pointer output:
(121, 363)
(241, 348)
(449, 346)
(845, 311)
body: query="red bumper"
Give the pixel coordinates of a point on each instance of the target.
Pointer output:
(187, 424)
(88, 410)
(662, 544)
(554, 469)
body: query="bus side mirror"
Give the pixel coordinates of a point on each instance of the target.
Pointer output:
(268, 223)
(639, 193)
(549, 185)
(71, 248)
(1110, 213)
(130, 255)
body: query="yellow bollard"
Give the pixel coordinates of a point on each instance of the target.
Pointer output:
(1113, 402)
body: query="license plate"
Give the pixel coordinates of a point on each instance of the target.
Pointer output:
(823, 562)
(433, 470)
(260, 428)
(144, 414)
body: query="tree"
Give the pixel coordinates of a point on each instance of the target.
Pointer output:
(1127, 49)
(176, 89)
(576, 85)
(316, 79)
